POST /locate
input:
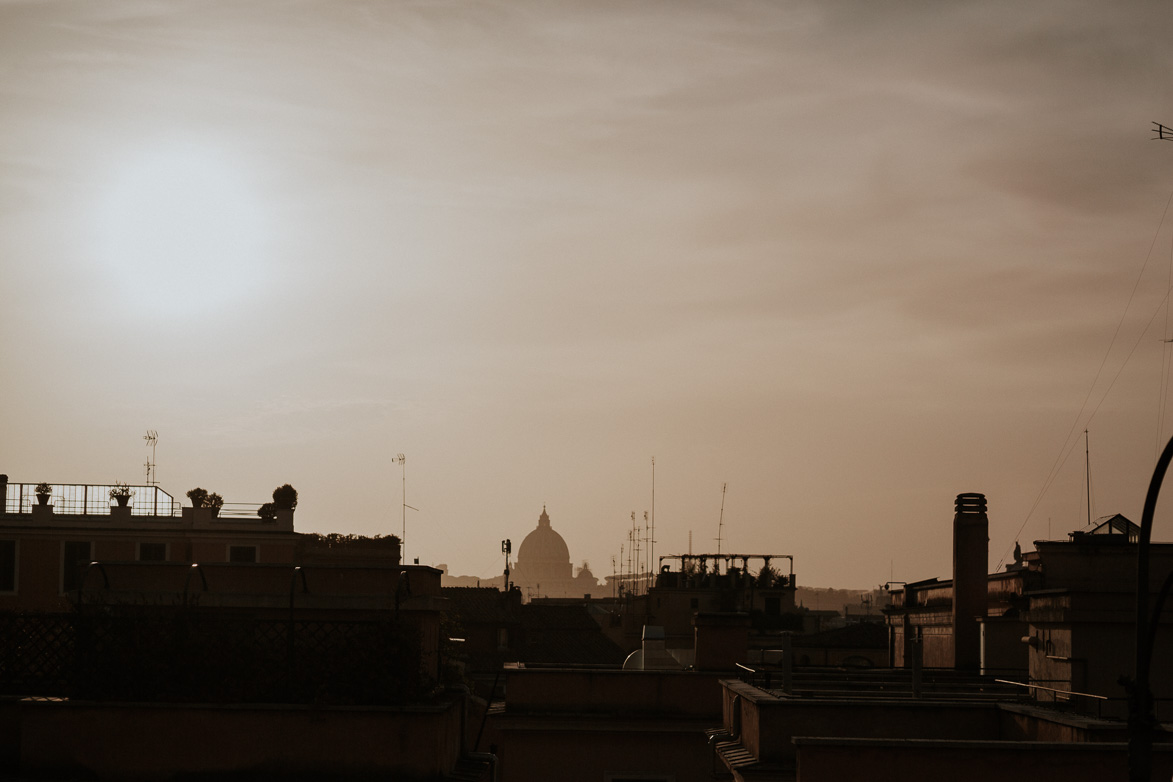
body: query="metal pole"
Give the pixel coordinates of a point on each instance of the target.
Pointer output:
(1141, 720)
(403, 532)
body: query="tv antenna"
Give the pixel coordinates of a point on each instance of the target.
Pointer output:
(652, 533)
(647, 549)
(152, 438)
(721, 519)
(402, 461)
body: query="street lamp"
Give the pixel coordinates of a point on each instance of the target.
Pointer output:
(1141, 720)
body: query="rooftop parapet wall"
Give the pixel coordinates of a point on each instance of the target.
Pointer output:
(834, 759)
(612, 692)
(768, 723)
(276, 584)
(1102, 563)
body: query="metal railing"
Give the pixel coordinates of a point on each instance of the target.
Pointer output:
(85, 499)
(1079, 701)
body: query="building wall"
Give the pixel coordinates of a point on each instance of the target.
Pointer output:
(596, 750)
(1003, 651)
(41, 536)
(138, 741)
(832, 760)
(767, 724)
(588, 725)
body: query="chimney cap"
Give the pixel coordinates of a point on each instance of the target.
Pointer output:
(971, 502)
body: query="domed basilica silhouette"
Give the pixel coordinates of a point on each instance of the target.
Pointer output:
(543, 566)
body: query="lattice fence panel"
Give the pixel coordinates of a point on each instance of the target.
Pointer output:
(37, 653)
(172, 654)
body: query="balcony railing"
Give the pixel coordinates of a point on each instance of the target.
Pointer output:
(83, 499)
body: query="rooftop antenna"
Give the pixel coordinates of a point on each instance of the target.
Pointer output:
(402, 461)
(621, 565)
(647, 550)
(634, 553)
(152, 437)
(721, 519)
(1087, 454)
(652, 538)
(506, 549)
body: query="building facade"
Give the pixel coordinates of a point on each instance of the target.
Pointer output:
(47, 543)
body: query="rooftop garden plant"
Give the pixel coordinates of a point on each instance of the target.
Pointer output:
(120, 489)
(284, 498)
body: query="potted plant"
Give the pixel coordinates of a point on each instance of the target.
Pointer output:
(204, 506)
(285, 497)
(44, 491)
(198, 497)
(284, 500)
(121, 493)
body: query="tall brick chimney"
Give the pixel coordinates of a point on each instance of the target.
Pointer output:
(971, 537)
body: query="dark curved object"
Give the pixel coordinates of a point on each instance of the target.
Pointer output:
(1141, 720)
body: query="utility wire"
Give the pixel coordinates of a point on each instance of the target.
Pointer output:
(1061, 458)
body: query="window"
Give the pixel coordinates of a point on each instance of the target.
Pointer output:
(7, 565)
(75, 555)
(242, 553)
(152, 552)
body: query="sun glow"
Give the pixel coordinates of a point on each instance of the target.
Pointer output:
(181, 230)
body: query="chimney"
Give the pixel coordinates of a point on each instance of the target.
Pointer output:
(971, 529)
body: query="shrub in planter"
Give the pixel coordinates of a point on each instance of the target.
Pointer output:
(121, 493)
(198, 497)
(284, 498)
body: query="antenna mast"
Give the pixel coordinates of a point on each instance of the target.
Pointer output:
(652, 540)
(152, 437)
(621, 561)
(647, 557)
(1087, 455)
(402, 460)
(506, 549)
(721, 519)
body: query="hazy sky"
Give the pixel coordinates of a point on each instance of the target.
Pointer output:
(851, 258)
